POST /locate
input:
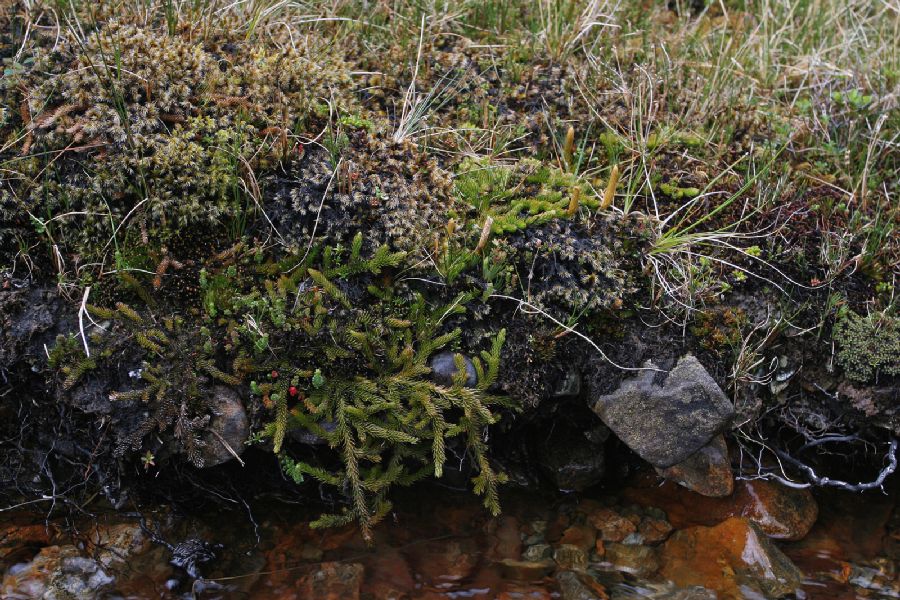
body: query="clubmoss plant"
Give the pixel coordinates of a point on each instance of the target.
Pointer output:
(390, 423)
(361, 379)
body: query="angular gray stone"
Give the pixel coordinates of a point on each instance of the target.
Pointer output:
(667, 422)
(229, 425)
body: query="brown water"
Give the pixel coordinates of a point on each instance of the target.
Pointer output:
(439, 544)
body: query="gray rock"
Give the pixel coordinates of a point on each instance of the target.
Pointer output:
(538, 535)
(78, 577)
(58, 573)
(229, 425)
(637, 560)
(570, 556)
(443, 369)
(537, 552)
(707, 471)
(578, 586)
(661, 591)
(666, 422)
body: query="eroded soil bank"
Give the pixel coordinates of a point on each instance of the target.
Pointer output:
(268, 268)
(649, 540)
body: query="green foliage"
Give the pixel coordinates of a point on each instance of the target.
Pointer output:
(355, 121)
(362, 384)
(868, 345)
(134, 134)
(678, 193)
(542, 249)
(168, 130)
(69, 358)
(355, 264)
(518, 196)
(291, 468)
(318, 380)
(854, 98)
(389, 423)
(674, 137)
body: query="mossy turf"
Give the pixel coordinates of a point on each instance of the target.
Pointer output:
(307, 208)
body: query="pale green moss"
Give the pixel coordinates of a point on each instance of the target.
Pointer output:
(868, 345)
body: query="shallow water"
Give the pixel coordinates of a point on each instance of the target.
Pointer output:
(441, 544)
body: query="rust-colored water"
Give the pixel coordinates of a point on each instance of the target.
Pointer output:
(439, 544)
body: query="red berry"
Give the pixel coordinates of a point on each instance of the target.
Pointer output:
(274, 374)
(292, 391)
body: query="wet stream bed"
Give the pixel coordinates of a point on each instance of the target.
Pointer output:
(645, 541)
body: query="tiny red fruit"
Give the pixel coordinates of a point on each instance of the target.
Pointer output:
(274, 374)
(292, 390)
